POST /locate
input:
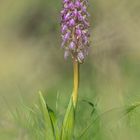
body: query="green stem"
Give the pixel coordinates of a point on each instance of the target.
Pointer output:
(76, 82)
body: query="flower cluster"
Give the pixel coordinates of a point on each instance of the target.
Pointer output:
(74, 28)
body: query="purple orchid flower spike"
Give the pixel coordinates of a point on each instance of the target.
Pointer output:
(75, 29)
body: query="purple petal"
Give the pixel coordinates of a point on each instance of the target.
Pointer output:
(78, 32)
(64, 29)
(67, 36)
(80, 17)
(65, 1)
(72, 22)
(78, 4)
(66, 17)
(72, 46)
(80, 57)
(71, 5)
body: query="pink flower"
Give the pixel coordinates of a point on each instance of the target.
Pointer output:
(75, 29)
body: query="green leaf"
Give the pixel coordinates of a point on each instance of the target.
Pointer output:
(54, 123)
(47, 120)
(68, 123)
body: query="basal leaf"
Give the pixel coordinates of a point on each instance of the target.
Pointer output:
(54, 123)
(47, 120)
(68, 123)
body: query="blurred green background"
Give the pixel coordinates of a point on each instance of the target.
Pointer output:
(31, 60)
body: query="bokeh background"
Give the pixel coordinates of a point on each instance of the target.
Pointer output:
(31, 60)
